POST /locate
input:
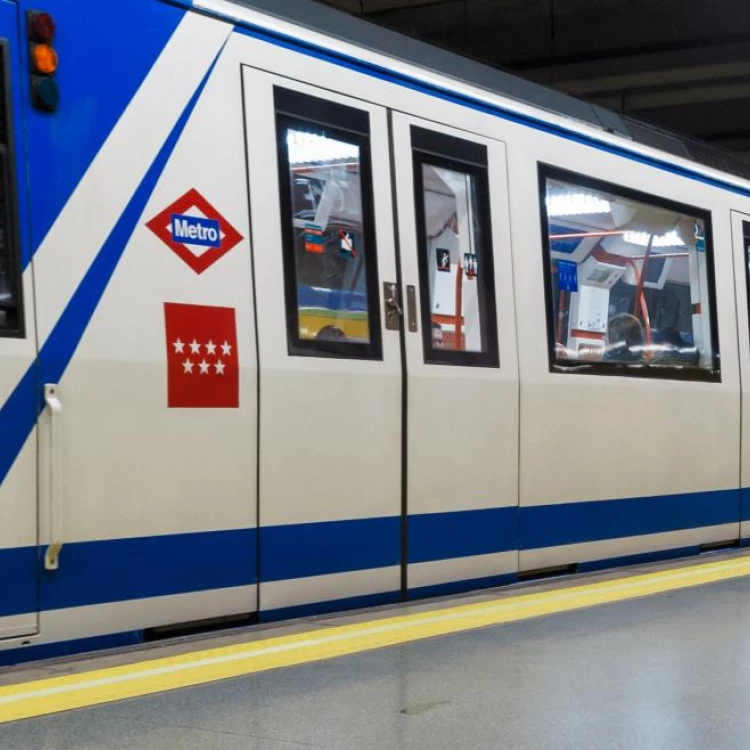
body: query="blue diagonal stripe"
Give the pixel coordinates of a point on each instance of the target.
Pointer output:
(94, 97)
(20, 412)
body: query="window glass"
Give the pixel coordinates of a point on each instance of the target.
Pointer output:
(10, 280)
(453, 235)
(329, 247)
(455, 255)
(630, 279)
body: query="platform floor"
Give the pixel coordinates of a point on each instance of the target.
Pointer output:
(671, 670)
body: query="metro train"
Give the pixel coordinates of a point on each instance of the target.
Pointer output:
(298, 315)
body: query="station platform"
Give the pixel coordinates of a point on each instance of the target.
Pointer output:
(651, 657)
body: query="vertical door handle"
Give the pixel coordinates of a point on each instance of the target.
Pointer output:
(411, 308)
(54, 405)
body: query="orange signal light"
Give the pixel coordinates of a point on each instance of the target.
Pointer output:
(44, 59)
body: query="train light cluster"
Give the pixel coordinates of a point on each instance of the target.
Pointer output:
(43, 61)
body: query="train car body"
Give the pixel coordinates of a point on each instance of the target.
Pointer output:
(291, 324)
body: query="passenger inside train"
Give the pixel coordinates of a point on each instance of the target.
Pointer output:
(628, 281)
(624, 341)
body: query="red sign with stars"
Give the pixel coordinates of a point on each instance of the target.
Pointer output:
(202, 364)
(195, 231)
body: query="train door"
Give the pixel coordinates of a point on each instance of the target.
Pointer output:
(328, 346)
(741, 243)
(461, 362)
(18, 376)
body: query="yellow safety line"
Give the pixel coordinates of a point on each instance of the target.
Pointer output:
(98, 686)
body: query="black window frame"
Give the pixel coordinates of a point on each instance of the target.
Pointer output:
(467, 157)
(15, 328)
(296, 110)
(639, 370)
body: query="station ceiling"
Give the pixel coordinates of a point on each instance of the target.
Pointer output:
(683, 65)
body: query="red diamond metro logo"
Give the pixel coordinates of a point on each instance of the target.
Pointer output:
(195, 231)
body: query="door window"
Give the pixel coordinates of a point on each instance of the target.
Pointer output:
(455, 250)
(327, 218)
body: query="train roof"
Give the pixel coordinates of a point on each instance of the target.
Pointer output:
(331, 22)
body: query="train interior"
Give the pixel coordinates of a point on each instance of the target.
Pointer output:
(630, 280)
(452, 233)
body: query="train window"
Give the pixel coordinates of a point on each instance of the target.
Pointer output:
(455, 250)
(327, 222)
(11, 318)
(629, 281)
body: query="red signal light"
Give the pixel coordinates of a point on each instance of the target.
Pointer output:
(41, 26)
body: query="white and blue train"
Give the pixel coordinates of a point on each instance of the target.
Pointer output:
(298, 315)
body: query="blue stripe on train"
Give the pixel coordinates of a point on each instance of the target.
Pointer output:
(122, 569)
(313, 549)
(442, 536)
(575, 523)
(142, 567)
(18, 571)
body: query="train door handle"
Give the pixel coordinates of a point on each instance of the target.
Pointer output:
(411, 308)
(54, 405)
(393, 311)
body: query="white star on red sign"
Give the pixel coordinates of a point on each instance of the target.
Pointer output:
(187, 366)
